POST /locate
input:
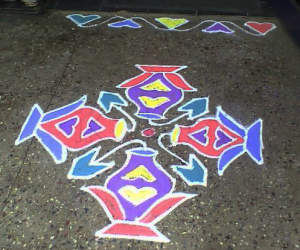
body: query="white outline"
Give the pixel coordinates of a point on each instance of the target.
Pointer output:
(169, 195)
(218, 31)
(192, 89)
(128, 158)
(79, 24)
(174, 143)
(221, 172)
(111, 104)
(121, 146)
(218, 138)
(131, 119)
(153, 99)
(240, 126)
(166, 29)
(169, 122)
(142, 177)
(83, 99)
(172, 19)
(181, 30)
(263, 34)
(139, 66)
(152, 74)
(87, 128)
(118, 107)
(187, 164)
(136, 190)
(167, 150)
(126, 25)
(159, 118)
(261, 141)
(99, 161)
(191, 167)
(33, 134)
(142, 132)
(205, 135)
(64, 148)
(199, 24)
(93, 162)
(130, 79)
(103, 205)
(191, 146)
(73, 127)
(161, 83)
(190, 111)
(220, 110)
(160, 237)
(103, 139)
(104, 22)
(91, 144)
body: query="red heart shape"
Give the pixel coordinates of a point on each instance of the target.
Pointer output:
(262, 28)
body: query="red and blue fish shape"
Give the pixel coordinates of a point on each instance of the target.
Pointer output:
(73, 127)
(221, 137)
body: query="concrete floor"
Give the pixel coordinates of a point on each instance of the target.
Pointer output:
(47, 60)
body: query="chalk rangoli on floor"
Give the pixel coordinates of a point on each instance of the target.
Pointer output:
(72, 127)
(141, 192)
(137, 196)
(173, 24)
(156, 90)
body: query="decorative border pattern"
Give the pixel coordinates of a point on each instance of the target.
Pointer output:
(141, 192)
(174, 24)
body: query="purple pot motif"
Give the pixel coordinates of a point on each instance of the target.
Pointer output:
(136, 197)
(155, 91)
(140, 182)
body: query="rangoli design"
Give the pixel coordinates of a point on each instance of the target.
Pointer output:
(137, 196)
(142, 192)
(173, 24)
(72, 127)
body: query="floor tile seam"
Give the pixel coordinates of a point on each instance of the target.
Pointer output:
(15, 179)
(63, 73)
(28, 148)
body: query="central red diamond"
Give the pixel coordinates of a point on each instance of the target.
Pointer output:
(148, 132)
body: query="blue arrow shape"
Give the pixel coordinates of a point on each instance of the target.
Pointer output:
(193, 174)
(196, 107)
(86, 167)
(107, 100)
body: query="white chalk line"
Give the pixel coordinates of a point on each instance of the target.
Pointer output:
(169, 122)
(173, 29)
(119, 147)
(98, 24)
(167, 150)
(133, 122)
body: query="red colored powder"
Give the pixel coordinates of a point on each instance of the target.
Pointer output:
(148, 132)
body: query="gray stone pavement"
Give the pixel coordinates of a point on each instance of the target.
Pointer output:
(48, 60)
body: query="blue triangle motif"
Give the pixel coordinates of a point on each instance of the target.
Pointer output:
(223, 139)
(201, 136)
(125, 23)
(92, 127)
(218, 27)
(68, 126)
